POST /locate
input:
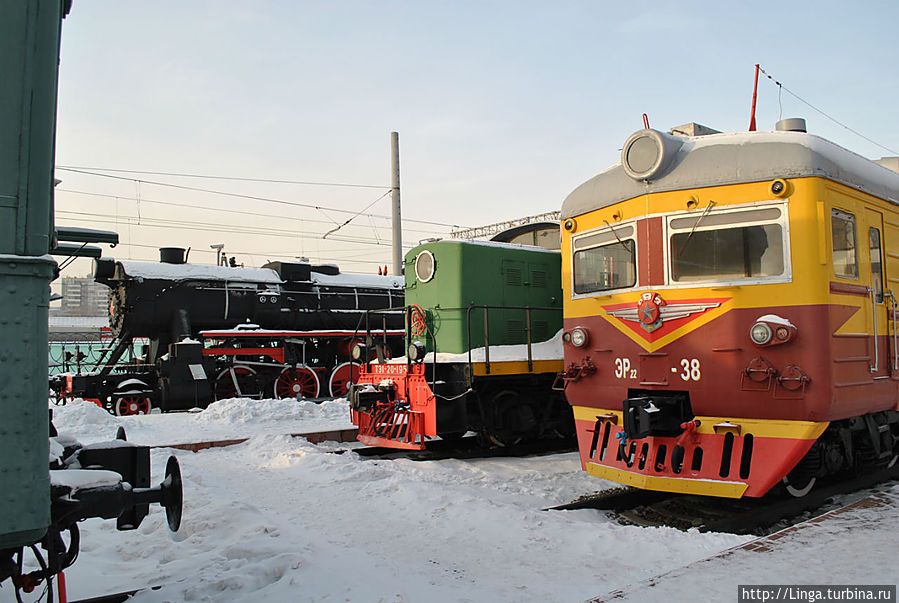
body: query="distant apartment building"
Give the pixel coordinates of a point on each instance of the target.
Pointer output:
(82, 313)
(81, 296)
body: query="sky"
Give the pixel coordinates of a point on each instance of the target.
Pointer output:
(502, 109)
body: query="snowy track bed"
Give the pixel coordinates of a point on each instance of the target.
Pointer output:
(279, 519)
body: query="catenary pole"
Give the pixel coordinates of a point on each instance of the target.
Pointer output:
(397, 227)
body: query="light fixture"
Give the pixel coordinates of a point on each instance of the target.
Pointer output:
(417, 351)
(579, 337)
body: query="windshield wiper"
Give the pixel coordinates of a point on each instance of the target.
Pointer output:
(620, 242)
(705, 212)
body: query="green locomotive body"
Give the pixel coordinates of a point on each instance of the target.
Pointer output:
(453, 280)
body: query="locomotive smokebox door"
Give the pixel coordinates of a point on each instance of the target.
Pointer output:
(654, 415)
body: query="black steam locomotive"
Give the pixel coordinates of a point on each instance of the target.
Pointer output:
(285, 330)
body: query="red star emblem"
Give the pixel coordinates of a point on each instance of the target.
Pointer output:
(648, 310)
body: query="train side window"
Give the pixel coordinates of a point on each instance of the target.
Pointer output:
(876, 264)
(845, 258)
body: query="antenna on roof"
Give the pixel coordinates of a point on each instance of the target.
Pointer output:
(755, 92)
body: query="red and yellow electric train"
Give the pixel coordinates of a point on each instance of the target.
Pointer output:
(729, 315)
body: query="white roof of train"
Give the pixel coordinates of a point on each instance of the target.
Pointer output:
(265, 276)
(732, 158)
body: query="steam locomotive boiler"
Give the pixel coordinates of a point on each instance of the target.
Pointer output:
(285, 330)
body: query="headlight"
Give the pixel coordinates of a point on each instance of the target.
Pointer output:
(425, 266)
(360, 352)
(761, 333)
(579, 337)
(417, 351)
(647, 154)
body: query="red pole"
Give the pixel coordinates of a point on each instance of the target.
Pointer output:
(755, 91)
(645, 121)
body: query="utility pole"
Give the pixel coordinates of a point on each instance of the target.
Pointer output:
(395, 196)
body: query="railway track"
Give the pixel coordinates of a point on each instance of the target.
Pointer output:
(316, 437)
(464, 448)
(470, 448)
(759, 517)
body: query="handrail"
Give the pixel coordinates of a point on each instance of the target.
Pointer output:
(895, 364)
(876, 366)
(408, 336)
(486, 308)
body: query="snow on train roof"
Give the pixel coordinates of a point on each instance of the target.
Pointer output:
(370, 281)
(483, 243)
(733, 158)
(180, 272)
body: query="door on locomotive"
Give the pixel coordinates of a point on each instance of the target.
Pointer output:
(879, 310)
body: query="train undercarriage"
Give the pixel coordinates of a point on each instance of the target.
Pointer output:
(402, 407)
(241, 363)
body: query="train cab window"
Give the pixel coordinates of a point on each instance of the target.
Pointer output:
(605, 260)
(845, 259)
(728, 245)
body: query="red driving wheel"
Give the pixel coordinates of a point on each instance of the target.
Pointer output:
(296, 382)
(341, 377)
(235, 382)
(132, 405)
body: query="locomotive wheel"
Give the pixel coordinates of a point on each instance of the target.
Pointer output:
(514, 418)
(132, 405)
(236, 382)
(799, 490)
(296, 382)
(341, 376)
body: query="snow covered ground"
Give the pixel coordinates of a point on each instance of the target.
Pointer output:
(280, 519)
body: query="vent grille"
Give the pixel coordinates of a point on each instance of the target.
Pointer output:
(515, 330)
(540, 331)
(513, 276)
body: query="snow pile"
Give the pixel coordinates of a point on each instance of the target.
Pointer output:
(225, 419)
(279, 519)
(241, 411)
(86, 419)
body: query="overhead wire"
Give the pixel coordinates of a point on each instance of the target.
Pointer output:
(225, 210)
(351, 218)
(212, 177)
(833, 119)
(244, 196)
(208, 227)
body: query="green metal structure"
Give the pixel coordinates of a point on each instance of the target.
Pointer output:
(453, 282)
(29, 56)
